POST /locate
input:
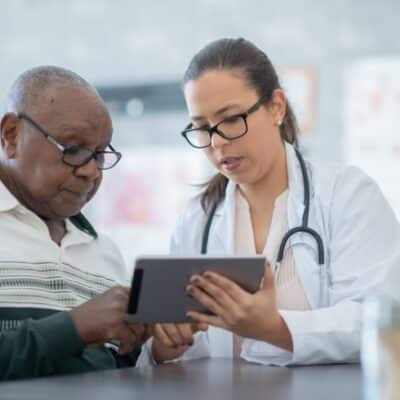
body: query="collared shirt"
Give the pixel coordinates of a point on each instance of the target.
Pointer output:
(41, 280)
(36, 272)
(290, 293)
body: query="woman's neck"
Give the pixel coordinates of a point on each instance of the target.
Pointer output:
(262, 194)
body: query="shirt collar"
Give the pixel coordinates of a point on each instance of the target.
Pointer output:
(7, 199)
(75, 235)
(9, 202)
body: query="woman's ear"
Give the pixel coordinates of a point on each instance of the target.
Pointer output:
(9, 134)
(278, 106)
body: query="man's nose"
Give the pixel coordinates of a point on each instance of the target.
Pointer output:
(89, 170)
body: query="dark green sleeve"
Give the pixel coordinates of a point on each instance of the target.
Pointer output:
(36, 346)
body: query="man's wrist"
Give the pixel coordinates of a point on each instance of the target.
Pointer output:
(84, 334)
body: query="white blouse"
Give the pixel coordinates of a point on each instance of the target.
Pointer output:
(290, 293)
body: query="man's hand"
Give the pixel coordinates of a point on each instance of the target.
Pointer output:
(102, 319)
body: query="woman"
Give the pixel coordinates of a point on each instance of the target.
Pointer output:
(308, 308)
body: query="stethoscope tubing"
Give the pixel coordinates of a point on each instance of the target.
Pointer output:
(303, 228)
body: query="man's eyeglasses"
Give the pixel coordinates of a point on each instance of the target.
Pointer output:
(76, 156)
(231, 128)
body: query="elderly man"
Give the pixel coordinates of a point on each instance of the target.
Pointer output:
(61, 293)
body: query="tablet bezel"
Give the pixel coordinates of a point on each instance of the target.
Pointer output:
(247, 271)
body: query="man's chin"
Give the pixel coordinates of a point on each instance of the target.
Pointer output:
(72, 203)
(67, 211)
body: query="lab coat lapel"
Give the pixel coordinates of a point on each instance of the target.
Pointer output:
(221, 239)
(296, 187)
(303, 245)
(222, 233)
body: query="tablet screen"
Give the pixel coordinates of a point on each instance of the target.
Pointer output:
(158, 291)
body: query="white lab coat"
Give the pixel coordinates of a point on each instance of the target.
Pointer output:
(361, 239)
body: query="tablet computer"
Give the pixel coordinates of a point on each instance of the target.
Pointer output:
(158, 291)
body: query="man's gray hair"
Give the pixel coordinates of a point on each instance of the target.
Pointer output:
(26, 90)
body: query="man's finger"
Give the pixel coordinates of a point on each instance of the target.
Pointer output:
(127, 340)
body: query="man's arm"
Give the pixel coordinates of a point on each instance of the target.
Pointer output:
(52, 344)
(32, 349)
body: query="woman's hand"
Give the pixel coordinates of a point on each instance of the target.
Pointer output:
(248, 315)
(172, 340)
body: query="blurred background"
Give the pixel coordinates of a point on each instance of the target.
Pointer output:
(339, 63)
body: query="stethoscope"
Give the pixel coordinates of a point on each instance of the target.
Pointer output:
(302, 228)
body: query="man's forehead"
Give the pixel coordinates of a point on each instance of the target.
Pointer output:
(72, 106)
(61, 95)
(73, 113)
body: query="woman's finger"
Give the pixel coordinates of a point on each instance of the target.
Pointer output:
(174, 333)
(229, 287)
(215, 291)
(162, 336)
(187, 333)
(205, 300)
(207, 319)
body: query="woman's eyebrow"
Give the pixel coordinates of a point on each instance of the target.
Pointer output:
(219, 112)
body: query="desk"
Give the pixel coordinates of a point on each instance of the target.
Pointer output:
(197, 380)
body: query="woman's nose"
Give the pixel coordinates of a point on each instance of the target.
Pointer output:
(218, 141)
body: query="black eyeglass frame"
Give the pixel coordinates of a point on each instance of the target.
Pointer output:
(214, 129)
(64, 149)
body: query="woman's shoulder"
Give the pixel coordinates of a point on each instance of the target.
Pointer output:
(188, 228)
(193, 204)
(192, 209)
(344, 190)
(333, 178)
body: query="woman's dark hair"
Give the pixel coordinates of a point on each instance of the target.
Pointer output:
(243, 56)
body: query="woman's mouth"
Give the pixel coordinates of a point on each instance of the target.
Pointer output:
(230, 164)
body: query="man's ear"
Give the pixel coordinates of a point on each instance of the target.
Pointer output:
(9, 134)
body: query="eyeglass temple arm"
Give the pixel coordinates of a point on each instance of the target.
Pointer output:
(34, 124)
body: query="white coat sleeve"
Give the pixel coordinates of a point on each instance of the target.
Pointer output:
(364, 242)
(199, 349)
